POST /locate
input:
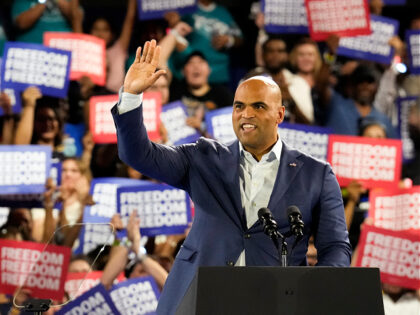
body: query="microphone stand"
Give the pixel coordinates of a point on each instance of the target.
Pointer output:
(275, 236)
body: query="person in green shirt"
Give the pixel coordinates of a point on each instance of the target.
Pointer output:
(34, 17)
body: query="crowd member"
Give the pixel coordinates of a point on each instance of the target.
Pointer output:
(141, 265)
(116, 53)
(32, 18)
(411, 84)
(8, 122)
(296, 92)
(196, 93)
(344, 114)
(214, 33)
(40, 122)
(257, 113)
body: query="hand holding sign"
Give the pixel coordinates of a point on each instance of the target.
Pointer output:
(141, 74)
(30, 96)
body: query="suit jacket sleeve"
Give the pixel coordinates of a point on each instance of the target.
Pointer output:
(164, 163)
(331, 236)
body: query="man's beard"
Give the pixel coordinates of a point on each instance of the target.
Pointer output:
(275, 68)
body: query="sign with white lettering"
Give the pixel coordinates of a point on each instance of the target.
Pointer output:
(26, 65)
(412, 38)
(219, 124)
(88, 54)
(78, 283)
(373, 162)
(40, 268)
(24, 169)
(404, 105)
(396, 254)
(285, 16)
(15, 98)
(174, 116)
(138, 296)
(309, 139)
(94, 301)
(156, 9)
(374, 47)
(396, 209)
(102, 125)
(342, 18)
(162, 209)
(104, 194)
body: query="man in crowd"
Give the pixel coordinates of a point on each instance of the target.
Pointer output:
(229, 183)
(196, 93)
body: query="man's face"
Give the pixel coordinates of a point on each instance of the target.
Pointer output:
(196, 72)
(275, 55)
(257, 111)
(364, 93)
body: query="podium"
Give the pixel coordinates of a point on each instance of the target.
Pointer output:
(283, 291)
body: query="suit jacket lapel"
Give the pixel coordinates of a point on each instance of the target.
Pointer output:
(230, 171)
(288, 169)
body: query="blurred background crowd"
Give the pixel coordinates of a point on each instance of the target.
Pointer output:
(206, 53)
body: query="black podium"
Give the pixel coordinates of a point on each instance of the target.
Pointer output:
(279, 290)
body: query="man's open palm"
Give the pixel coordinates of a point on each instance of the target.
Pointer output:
(141, 74)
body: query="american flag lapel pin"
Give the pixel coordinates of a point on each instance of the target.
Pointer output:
(292, 164)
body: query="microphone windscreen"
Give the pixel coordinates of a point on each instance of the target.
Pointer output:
(293, 210)
(264, 212)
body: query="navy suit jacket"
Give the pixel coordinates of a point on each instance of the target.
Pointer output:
(208, 171)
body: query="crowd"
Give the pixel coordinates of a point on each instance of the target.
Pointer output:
(319, 88)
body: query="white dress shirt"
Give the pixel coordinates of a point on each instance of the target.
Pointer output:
(256, 180)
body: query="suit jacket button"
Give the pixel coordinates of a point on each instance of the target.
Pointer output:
(230, 263)
(247, 236)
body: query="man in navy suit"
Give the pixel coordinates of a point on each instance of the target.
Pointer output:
(230, 183)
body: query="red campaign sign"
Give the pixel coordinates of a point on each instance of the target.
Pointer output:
(396, 254)
(396, 209)
(88, 54)
(376, 163)
(78, 283)
(42, 272)
(343, 18)
(102, 125)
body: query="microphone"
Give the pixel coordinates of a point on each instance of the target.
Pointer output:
(295, 221)
(270, 228)
(269, 224)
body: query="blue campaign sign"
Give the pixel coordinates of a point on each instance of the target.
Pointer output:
(14, 96)
(55, 171)
(24, 169)
(285, 16)
(162, 209)
(156, 9)
(104, 194)
(94, 301)
(404, 104)
(311, 140)
(26, 65)
(4, 213)
(173, 116)
(219, 124)
(394, 2)
(138, 296)
(412, 38)
(372, 47)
